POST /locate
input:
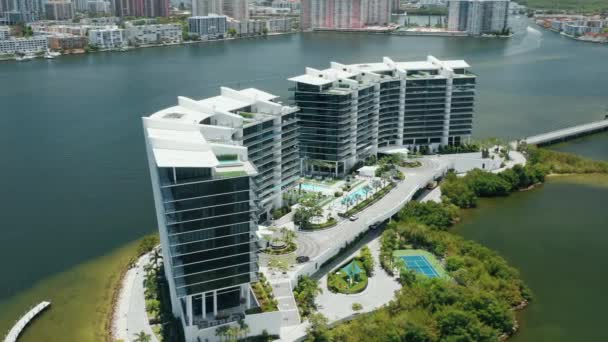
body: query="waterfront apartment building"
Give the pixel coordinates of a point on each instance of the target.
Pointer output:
(59, 10)
(209, 162)
(344, 14)
(153, 33)
(350, 112)
(107, 37)
(478, 17)
(208, 27)
(66, 42)
(275, 25)
(26, 46)
(5, 32)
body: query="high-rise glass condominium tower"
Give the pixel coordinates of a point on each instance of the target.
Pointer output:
(216, 165)
(350, 112)
(478, 16)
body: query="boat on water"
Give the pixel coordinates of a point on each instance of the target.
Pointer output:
(49, 56)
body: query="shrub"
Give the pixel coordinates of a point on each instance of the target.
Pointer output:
(357, 307)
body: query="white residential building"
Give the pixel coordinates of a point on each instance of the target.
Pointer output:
(478, 17)
(5, 32)
(23, 45)
(208, 27)
(279, 24)
(213, 163)
(107, 37)
(153, 33)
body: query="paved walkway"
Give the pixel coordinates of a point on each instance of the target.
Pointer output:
(380, 290)
(287, 303)
(130, 317)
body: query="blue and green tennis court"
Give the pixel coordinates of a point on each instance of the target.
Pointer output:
(421, 262)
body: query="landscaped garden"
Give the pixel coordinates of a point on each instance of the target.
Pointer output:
(359, 203)
(263, 293)
(352, 277)
(309, 215)
(282, 242)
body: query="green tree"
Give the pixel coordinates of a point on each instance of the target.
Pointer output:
(305, 293)
(458, 192)
(318, 331)
(367, 260)
(142, 337)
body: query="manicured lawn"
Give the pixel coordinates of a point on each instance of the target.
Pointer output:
(338, 282)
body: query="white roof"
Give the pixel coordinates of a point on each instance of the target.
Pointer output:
(338, 71)
(424, 65)
(258, 94)
(313, 80)
(456, 64)
(224, 103)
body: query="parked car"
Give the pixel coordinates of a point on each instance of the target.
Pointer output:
(302, 259)
(353, 218)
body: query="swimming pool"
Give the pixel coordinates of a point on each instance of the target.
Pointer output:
(361, 192)
(314, 187)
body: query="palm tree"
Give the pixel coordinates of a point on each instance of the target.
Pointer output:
(221, 332)
(243, 328)
(142, 337)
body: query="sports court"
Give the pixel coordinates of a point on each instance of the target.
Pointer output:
(419, 264)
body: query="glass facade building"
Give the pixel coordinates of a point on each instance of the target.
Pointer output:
(216, 166)
(350, 112)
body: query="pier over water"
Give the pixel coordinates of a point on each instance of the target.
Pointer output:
(16, 330)
(567, 133)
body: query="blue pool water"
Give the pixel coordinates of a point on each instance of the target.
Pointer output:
(314, 187)
(361, 192)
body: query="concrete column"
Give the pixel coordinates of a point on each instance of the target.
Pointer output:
(245, 293)
(215, 303)
(204, 306)
(189, 309)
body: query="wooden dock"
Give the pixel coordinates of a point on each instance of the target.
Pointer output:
(16, 330)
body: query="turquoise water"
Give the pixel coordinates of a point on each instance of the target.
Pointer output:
(314, 187)
(361, 192)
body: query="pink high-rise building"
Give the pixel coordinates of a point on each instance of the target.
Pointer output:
(344, 14)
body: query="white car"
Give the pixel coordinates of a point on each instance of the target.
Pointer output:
(353, 218)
